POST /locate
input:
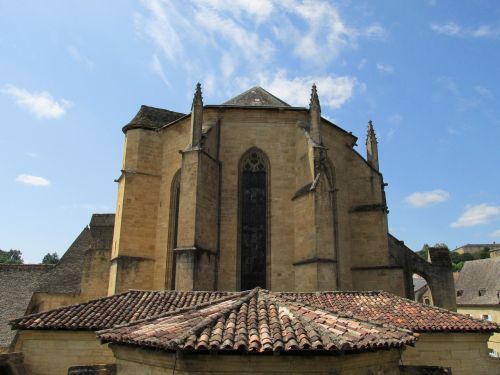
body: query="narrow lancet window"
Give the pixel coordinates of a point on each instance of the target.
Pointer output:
(174, 228)
(253, 233)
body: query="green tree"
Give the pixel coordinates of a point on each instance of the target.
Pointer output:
(11, 257)
(424, 252)
(485, 253)
(50, 258)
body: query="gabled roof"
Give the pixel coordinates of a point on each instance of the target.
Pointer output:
(131, 306)
(257, 321)
(256, 97)
(152, 118)
(477, 275)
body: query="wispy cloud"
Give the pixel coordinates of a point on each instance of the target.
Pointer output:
(157, 68)
(453, 29)
(334, 91)
(385, 68)
(422, 199)
(27, 179)
(246, 40)
(495, 234)
(80, 58)
(476, 215)
(41, 104)
(394, 121)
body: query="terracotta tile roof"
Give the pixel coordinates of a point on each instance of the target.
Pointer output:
(118, 309)
(378, 307)
(257, 321)
(387, 308)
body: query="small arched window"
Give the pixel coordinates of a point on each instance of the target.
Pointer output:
(253, 178)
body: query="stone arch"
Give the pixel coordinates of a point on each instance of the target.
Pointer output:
(437, 272)
(173, 228)
(253, 247)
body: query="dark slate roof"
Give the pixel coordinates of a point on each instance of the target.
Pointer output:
(418, 283)
(152, 118)
(17, 284)
(66, 276)
(256, 97)
(257, 321)
(380, 307)
(476, 275)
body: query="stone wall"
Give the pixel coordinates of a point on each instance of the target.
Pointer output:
(355, 210)
(131, 361)
(53, 352)
(481, 312)
(464, 353)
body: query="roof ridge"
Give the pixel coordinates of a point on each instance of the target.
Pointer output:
(174, 344)
(260, 90)
(166, 314)
(349, 315)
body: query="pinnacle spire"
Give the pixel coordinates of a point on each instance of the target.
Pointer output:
(314, 98)
(370, 134)
(315, 116)
(371, 146)
(198, 98)
(196, 117)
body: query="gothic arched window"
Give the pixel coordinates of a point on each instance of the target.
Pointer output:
(175, 192)
(253, 219)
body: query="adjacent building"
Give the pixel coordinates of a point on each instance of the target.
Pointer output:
(478, 294)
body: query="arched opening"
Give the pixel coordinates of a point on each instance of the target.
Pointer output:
(175, 192)
(422, 290)
(253, 220)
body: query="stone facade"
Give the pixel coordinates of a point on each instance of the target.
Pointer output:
(180, 212)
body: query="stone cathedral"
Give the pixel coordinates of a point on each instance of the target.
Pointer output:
(251, 192)
(242, 230)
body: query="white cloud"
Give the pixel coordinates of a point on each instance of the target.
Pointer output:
(453, 29)
(333, 91)
(362, 63)
(375, 32)
(485, 31)
(495, 234)
(421, 199)
(41, 104)
(80, 58)
(449, 28)
(157, 69)
(32, 180)
(385, 68)
(476, 215)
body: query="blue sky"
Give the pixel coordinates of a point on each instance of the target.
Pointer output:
(72, 73)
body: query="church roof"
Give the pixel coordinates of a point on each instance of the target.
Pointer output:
(257, 321)
(479, 275)
(152, 118)
(131, 306)
(256, 97)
